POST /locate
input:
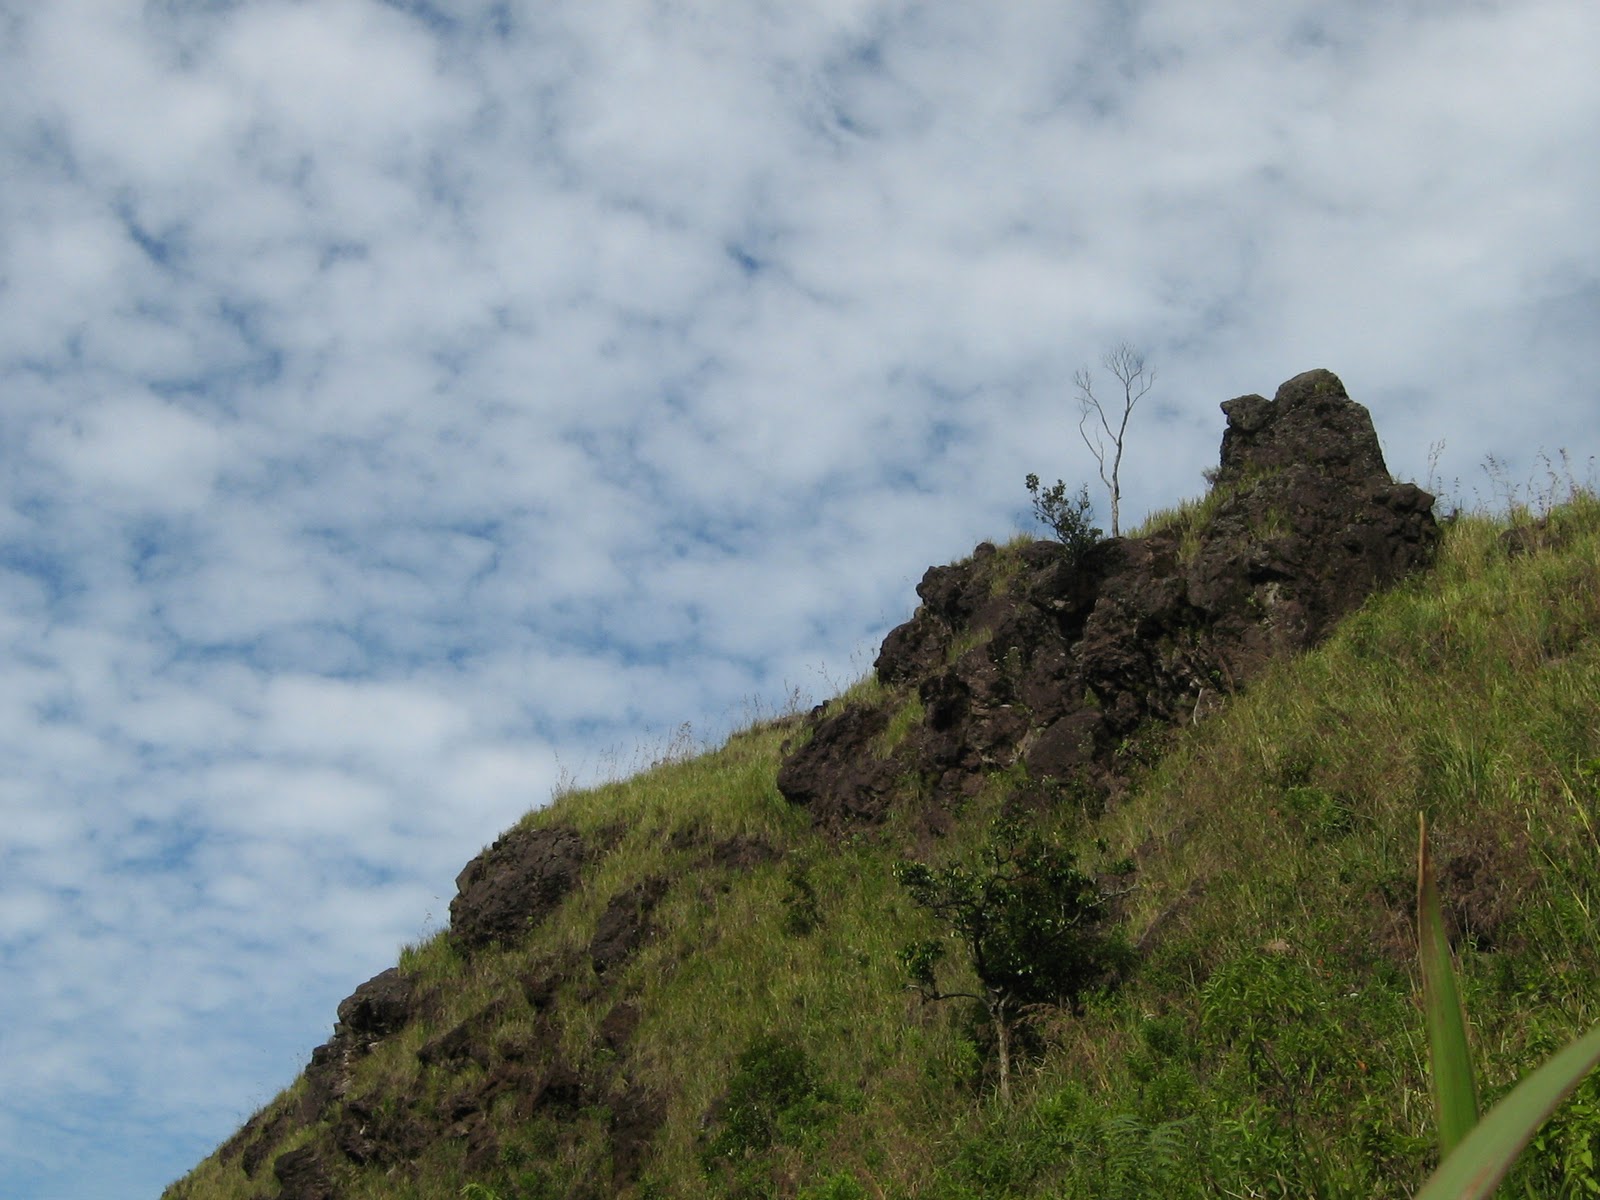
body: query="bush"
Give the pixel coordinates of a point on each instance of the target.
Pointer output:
(1069, 517)
(1034, 928)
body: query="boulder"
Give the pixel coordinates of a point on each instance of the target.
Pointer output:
(380, 1006)
(514, 884)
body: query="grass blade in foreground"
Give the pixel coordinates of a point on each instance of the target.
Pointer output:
(1481, 1161)
(1454, 1091)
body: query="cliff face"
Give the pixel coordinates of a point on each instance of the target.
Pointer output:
(1017, 659)
(1021, 656)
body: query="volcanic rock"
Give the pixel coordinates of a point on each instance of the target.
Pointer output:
(625, 924)
(514, 884)
(1025, 655)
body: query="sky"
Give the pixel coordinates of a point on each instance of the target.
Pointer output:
(409, 408)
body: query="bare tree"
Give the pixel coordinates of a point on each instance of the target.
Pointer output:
(1128, 366)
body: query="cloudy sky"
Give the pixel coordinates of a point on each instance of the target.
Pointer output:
(408, 405)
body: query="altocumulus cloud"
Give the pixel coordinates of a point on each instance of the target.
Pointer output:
(403, 403)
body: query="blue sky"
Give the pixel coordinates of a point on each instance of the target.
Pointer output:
(408, 407)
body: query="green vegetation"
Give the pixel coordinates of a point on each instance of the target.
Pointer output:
(907, 716)
(774, 1098)
(1070, 518)
(1268, 1040)
(1032, 926)
(1192, 518)
(1477, 1156)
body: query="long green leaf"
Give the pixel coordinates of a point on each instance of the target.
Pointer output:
(1480, 1162)
(1454, 1091)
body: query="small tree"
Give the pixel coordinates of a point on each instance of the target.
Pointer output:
(1031, 923)
(1128, 365)
(1068, 516)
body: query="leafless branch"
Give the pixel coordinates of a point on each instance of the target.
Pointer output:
(1127, 365)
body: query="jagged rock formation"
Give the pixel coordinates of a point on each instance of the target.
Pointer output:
(1025, 656)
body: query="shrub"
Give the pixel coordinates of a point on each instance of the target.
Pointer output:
(1034, 928)
(773, 1098)
(1069, 517)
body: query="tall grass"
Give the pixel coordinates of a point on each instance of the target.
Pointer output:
(1477, 1155)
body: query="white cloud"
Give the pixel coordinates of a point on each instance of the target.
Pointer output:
(375, 722)
(139, 451)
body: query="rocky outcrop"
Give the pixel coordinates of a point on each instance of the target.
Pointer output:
(514, 884)
(303, 1174)
(502, 895)
(1024, 656)
(637, 1114)
(380, 1007)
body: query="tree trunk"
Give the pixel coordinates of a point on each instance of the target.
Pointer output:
(1002, 1037)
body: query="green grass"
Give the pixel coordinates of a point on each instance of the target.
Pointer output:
(1477, 1154)
(1270, 1041)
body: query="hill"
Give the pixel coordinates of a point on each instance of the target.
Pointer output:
(691, 982)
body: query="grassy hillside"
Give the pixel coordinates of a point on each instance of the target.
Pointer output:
(1267, 1043)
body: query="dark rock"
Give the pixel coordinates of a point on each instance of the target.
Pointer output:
(469, 1041)
(955, 596)
(561, 1092)
(1483, 883)
(453, 1048)
(687, 837)
(532, 1074)
(741, 853)
(1065, 747)
(483, 1148)
(836, 774)
(540, 988)
(1025, 655)
(514, 884)
(303, 1175)
(1309, 421)
(380, 1006)
(373, 1131)
(255, 1153)
(520, 1080)
(462, 1107)
(625, 924)
(259, 1136)
(1531, 538)
(328, 1072)
(538, 1044)
(738, 853)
